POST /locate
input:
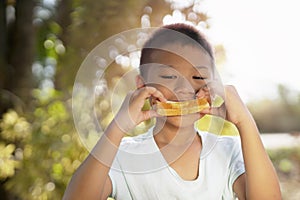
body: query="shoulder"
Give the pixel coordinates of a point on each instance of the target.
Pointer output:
(221, 140)
(229, 141)
(221, 146)
(230, 151)
(230, 145)
(143, 142)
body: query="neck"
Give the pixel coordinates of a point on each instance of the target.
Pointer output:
(174, 141)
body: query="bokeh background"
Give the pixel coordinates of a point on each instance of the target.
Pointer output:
(44, 42)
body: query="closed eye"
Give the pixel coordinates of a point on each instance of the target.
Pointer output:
(199, 77)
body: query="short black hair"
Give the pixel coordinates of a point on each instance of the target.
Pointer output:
(179, 33)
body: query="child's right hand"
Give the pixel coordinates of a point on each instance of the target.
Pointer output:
(131, 114)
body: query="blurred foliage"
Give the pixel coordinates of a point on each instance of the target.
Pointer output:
(8, 163)
(286, 160)
(278, 115)
(41, 151)
(92, 23)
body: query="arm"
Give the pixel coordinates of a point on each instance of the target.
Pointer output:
(260, 180)
(91, 180)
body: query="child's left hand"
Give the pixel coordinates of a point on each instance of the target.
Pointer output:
(236, 111)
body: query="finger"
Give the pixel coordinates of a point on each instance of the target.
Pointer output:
(204, 94)
(146, 115)
(206, 111)
(212, 111)
(147, 92)
(150, 114)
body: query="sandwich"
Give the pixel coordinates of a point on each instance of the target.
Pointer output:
(175, 108)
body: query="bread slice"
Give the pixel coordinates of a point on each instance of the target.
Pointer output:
(174, 108)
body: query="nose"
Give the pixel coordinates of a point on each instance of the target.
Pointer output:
(184, 89)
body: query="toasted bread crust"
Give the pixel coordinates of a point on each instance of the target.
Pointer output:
(171, 108)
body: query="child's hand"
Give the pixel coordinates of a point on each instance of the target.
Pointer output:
(236, 111)
(131, 114)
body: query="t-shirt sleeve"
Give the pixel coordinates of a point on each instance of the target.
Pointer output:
(236, 168)
(113, 184)
(119, 185)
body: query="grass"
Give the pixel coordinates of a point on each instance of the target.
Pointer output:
(287, 164)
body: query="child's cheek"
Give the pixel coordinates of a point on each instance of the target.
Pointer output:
(167, 92)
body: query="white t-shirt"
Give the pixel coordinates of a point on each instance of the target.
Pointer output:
(139, 170)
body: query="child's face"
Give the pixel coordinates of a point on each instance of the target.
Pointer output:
(181, 75)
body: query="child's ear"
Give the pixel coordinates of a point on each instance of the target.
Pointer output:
(139, 81)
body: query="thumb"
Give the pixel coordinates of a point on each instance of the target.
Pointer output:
(149, 114)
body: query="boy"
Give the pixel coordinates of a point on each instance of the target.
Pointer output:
(174, 160)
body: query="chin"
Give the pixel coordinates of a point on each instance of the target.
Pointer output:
(184, 120)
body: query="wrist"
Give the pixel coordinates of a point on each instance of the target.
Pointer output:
(246, 123)
(124, 122)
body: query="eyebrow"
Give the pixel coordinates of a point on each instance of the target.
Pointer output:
(197, 67)
(201, 67)
(164, 65)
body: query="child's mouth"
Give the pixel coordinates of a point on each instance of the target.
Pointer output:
(181, 107)
(184, 107)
